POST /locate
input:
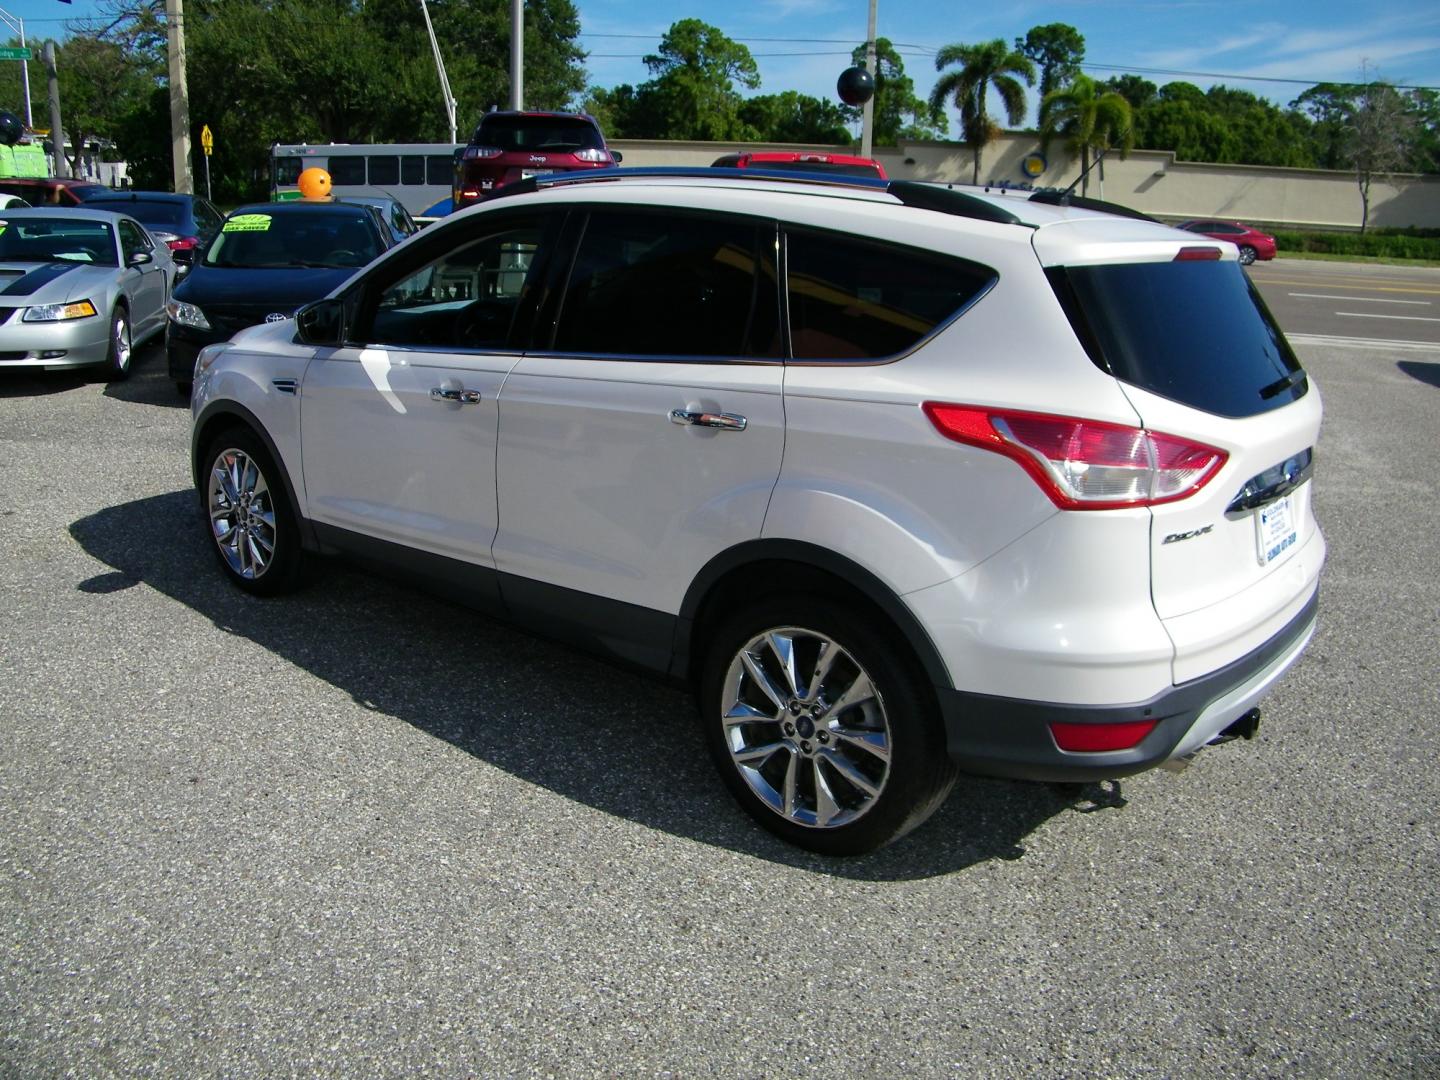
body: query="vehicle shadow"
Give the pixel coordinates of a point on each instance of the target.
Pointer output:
(36, 382)
(546, 714)
(149, 382)
(1424, 371)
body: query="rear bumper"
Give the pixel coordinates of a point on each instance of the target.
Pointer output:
(996, 736)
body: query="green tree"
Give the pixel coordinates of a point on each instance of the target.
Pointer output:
(796, 118)
(695, 71)
(990, 65)
(1087, 118)
(1381, 133)
(99, 85)
(1057, 49)
(898, 113)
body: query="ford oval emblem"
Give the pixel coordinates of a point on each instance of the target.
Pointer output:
(276, 316)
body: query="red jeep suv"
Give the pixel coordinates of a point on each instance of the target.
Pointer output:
(511, 146)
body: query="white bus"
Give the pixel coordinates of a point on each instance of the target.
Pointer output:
(421, 176)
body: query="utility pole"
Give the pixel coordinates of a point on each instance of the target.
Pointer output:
(179, 98)
(57, 134)
(517, 54)
(867, 121)
(445, 92)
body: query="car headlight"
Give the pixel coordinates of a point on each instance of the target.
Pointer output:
(81, 309)
(187, 314)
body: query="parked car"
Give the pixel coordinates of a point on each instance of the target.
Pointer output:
(52, 190)
(393, 215)
(1253, 243)
(183, 223)
(267, 260)
(78, 289)
(796, 161)
(902, 479)
(511, 146)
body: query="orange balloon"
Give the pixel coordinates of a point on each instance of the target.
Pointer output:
(315, 183)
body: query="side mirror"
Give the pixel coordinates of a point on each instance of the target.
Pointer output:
(140, 258)
(322, 323)
(618, 156)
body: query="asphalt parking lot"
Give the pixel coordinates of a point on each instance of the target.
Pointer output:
(360, 832)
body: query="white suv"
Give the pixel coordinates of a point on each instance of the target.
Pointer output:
(903, 479)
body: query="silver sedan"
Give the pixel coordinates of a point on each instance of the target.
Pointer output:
(79, 288)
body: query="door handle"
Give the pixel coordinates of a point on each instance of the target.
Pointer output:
(461, 397)
(724, 421)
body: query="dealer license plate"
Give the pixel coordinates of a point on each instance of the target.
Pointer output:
(1276, 529)
(526, 174)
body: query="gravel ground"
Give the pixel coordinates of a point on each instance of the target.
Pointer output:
(358, 831)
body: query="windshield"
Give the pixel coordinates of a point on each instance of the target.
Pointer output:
(1195, 332)
(57, 239)
(553, 133)
(256, 240)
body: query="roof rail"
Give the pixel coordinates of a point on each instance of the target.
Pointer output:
(1064, 198)
(949, 201)
(922, 196)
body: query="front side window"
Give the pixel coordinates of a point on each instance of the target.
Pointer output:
(132, 240)
(670, 284)
(465, 299)
(853, 299)
(288, 170)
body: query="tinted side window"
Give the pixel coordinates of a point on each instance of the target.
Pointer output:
(385, 169)
(671, 284)
(347, 170)
(854, 299)
(412, 169)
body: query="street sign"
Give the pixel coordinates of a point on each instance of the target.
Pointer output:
(11, 53)
(207, 140)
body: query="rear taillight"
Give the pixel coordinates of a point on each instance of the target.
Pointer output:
(591, 154)
(1084, 464)
(183, 243)
(1097, 738)
(480, 153)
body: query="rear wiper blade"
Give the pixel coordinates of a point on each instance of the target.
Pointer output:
(1279, 386)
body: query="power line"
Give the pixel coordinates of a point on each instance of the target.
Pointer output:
(1129, 69)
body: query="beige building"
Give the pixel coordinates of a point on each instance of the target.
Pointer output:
(1151, 181)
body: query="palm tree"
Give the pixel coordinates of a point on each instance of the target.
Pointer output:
(1087, 120)
(991, 65)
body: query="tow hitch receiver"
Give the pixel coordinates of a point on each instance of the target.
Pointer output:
(1244, 728)
(1247, 727)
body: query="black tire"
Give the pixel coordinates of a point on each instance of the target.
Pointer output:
(1247, 255)
(258, 541)
(824, 741)
(121, 353)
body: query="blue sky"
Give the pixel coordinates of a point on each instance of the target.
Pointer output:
(1305, 40)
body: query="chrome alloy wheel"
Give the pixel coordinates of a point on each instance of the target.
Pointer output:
(242, 514)
(806, 728)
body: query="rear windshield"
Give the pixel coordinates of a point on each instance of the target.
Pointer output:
(258, 240)
(556, 134)
(151, 213)
(1195, 332)
(88, 191)
(831, 167)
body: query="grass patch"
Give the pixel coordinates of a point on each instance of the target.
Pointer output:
(1377, 260)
